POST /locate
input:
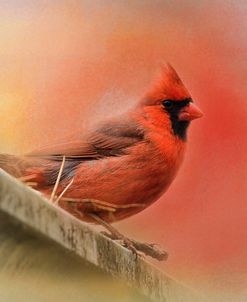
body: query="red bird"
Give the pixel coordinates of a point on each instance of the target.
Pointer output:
(121, 167)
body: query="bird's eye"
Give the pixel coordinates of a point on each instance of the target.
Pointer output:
(167, 104)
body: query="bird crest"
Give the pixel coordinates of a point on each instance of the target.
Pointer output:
(167, 85)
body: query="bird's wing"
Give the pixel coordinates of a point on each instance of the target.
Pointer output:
(111, 139)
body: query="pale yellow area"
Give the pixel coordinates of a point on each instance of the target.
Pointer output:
(12, 123)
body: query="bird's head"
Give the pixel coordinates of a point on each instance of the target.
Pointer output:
(169, 104)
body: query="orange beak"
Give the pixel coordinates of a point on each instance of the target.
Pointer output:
(190, 113)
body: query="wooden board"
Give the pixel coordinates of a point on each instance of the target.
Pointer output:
(29, 207)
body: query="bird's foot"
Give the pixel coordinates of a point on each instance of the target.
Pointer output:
(139, 248)
(124, 241)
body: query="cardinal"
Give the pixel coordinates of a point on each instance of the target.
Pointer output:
(122, 166)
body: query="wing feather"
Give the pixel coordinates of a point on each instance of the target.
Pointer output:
(111, 139)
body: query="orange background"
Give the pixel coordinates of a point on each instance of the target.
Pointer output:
(64, 65)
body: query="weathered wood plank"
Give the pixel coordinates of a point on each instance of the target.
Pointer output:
(31, 208)
(35, 268)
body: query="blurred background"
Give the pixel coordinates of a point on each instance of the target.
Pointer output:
(65, 65)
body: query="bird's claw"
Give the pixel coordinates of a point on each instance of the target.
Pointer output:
(125, 242)
(129, 245)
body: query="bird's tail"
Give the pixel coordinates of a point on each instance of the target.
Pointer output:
(12, 164)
